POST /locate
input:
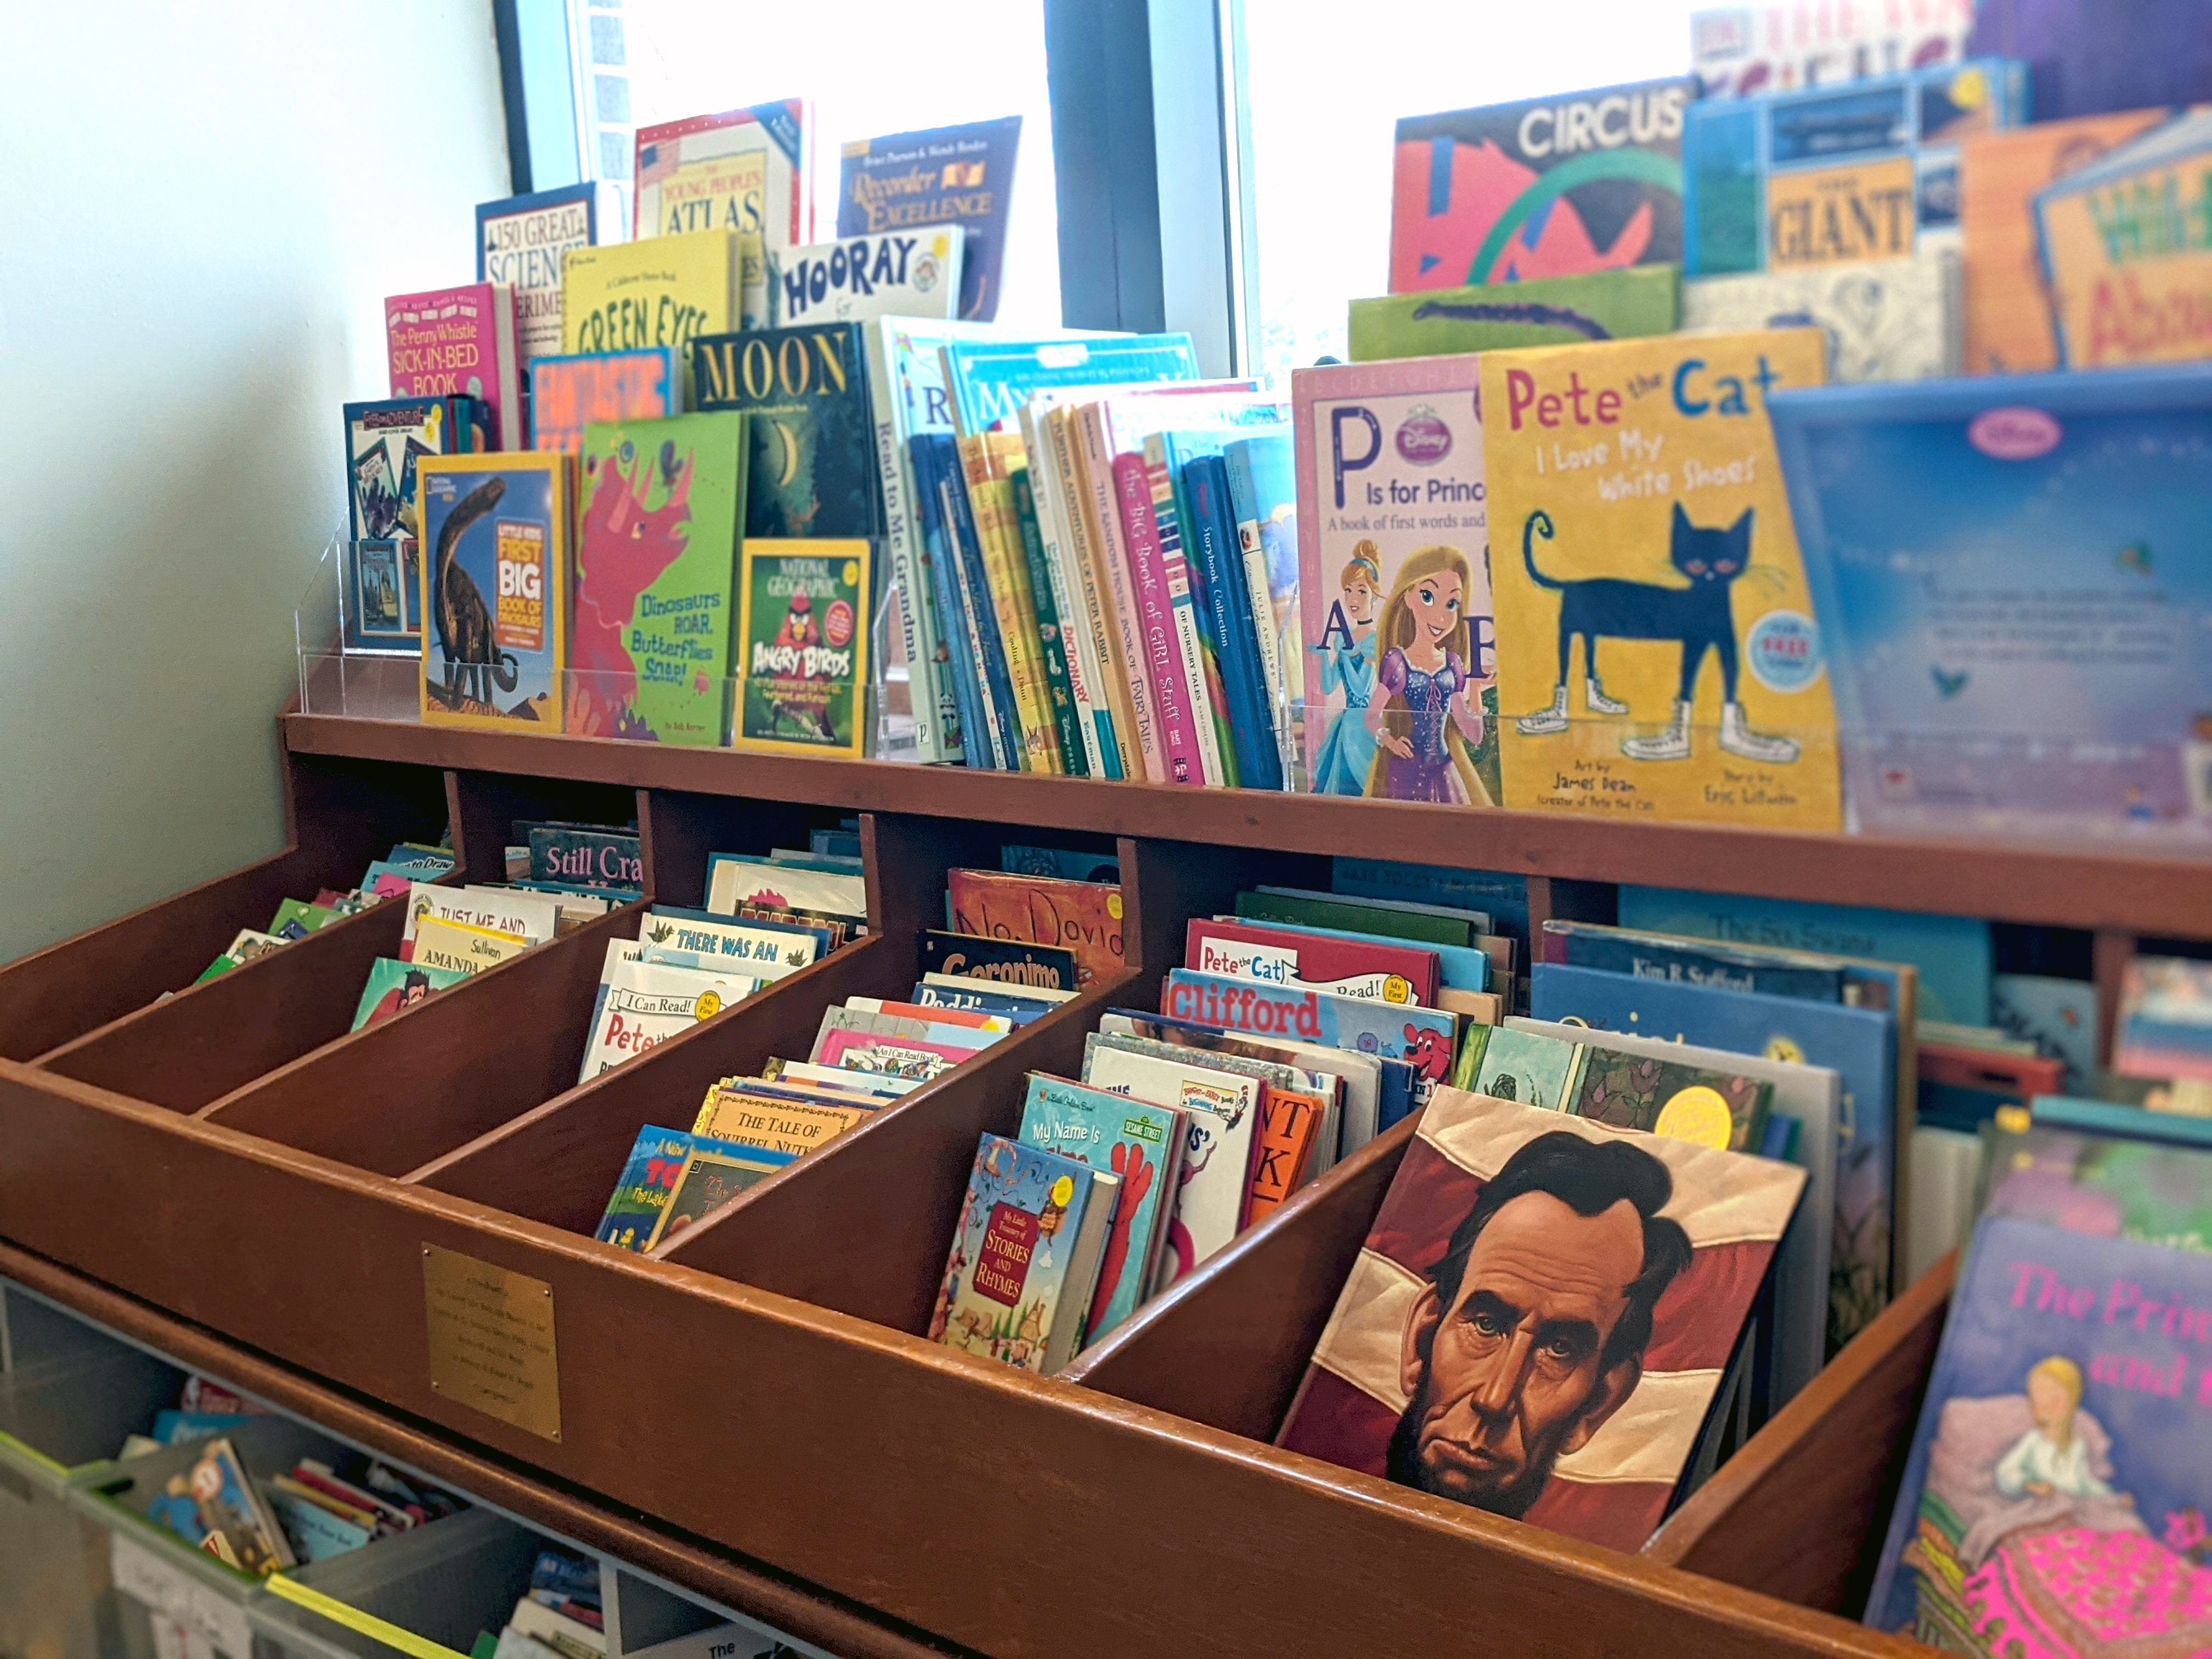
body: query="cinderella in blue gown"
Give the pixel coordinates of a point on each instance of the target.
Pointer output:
(1348, 751)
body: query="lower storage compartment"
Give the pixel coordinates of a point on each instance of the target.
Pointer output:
(442, 1584)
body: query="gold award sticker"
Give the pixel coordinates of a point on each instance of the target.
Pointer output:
(1396, 989)
(1697, 1114)
(852, 572)
(707, 1005)
(1785, 1049)
(1113, 905)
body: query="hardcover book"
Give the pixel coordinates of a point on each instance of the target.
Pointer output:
(641, 1192)
(653, 607)
(745, 173)
(1594, 305)
(1549, 187)
(1679, 1236)
(458, 340)
(1220, 1110)
(1425, 1038)
(1937, 520)
(1662, 956)
(759, 1117)
(738, 879)
(1263, 493)
(1353, 1079)
(566, 394)
(495, 588)
(857, 279)
(1394, 586)
(1019, 964)
(803, 635)
(711, 1177)
(460, 947)
(990, 378)
(761, 950)
(663, 291)
(1084, 917)
(642, 1004)
(394, 987)
(2104, 1185)
(891, 1056)
(534, 917)
(213, 1506)
(1307, 962)
(1884, 320)
(1025, 1256)
(2054, 1499)
(380, 594)
(911, 182)
(609, 860)
(1635, 486)
(805, 391)
(1429, 924)
(521, 243)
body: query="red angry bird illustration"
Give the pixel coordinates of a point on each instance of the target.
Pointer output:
(799, 629)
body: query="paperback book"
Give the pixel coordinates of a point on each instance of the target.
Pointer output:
(857, 279)
(458, 340)
(663, 291)
(380, 578)
(1593, 304)
(748, 174)
(495, 588)
(1081, 917)
(959, 177)
(803, 633)
(521, 243)
(1884, 320)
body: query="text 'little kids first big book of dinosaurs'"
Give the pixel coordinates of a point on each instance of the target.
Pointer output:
(1658, 657)
(495, 588)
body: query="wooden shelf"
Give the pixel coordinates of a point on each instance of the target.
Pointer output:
(2087, 888)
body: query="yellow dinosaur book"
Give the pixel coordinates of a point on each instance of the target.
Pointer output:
(1657, 654)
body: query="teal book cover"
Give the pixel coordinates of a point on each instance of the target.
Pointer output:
(811, 425)
(654, 604)
(1139, 1143)
(991, 379)
(603, 861)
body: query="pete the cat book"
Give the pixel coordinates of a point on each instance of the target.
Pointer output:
(495, 588)
(1658, 654)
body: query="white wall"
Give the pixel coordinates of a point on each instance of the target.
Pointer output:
(201, 210)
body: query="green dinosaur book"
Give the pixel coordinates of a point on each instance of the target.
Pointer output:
(804, 625)
(811, 426)
(654, 608)
(1601, 305)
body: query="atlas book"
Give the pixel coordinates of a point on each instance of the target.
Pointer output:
(1937, 521)
(566, 394)
(495, 569)
(381, 575)
(521, 243)
(1549, 187)
(1399, 640)
(804, 393)
(1592, 305)
(960, 177)
(1635, 488)
(1082, 917)
(746, 172)
(2054, 1498)
(1885, 319)
(857, 279)
(458, 340)
(803, 638)
(1602, 1461)
(664, 291)
(654, 603)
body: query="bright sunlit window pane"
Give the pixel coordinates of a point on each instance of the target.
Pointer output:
(1324, 99)
(871, 67)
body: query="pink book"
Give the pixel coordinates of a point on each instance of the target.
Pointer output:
(1164, 665)
(888, 1056)
(458, 340)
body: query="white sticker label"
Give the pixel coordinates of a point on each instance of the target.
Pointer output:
(203, 1613)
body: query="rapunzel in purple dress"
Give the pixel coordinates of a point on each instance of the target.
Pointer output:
(1429, 699)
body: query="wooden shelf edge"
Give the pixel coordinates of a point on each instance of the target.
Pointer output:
(2076, 887)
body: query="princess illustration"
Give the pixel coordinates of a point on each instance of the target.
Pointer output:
(1425, 723)
(1348, 667)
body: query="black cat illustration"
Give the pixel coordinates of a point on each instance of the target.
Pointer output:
(474, 665)
(1697, 617)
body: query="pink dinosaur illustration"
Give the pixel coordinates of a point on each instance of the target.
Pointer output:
(622, 551)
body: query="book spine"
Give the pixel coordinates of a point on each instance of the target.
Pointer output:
(1059, 670)
(1182, 613)
(975, 601)
(1221, 577)
(1159, 656)
(927, 690)
(1118, 594)
(937, 565)
(990, 499)
(1109, 697)
(1055, 543)
(1211, 659)
(1244, 505)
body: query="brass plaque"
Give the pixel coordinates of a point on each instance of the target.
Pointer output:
(491, 1340)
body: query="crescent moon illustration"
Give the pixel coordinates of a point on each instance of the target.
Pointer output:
(790, 454)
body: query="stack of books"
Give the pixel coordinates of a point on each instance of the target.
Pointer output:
(406, 865)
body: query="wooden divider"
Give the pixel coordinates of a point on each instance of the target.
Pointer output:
(340, 814)
(487, 805)
(682, 831)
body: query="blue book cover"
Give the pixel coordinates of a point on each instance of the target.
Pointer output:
(1218, 560)
(1140, 1142)
(970, 623)
(2010, 576)
(1007, 1270)
(1859, 1045)
(961, 175)
(1426, 1039)
(975, 588)
(2058, 1015)
(991, 379)
(1061, 863)
(2108, 1117)
(1020, 1010)
(1263, 494)
(957, 635)
(1504, 898)
(1648, 955)
(1951, 952)
(2054, 1499)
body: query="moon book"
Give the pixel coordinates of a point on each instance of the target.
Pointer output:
(803, 635)
(655, 599)
(812, 426)
(495, 589)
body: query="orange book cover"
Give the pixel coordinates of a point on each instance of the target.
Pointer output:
(1288, 1123)
(1084, 917)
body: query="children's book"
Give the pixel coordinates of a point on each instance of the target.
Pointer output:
(990, 378)
(958, 177)
(1285, 1079)
(665, 291)
(810, 423)
(859, 278)
(2054, 1498)
(1355, 1079)
(1884, 320)
(532, 917)
(458, 340)
(2164, 1024)
(584, 855)
(1592, 305)
(380, 578)
(1585, 181)
(1026, 1255)
(395, 987)
(1300, 961)
(213, 1506)
(711, 1177)
(521, 242)
(1782, 44)
(315, 1531)
(891, 1056)
(296, 919)
(1666, 956)
(1016, 965)
(761, 950)
(1425, 1038)
(1398, 637)
(1221, 1112)
(642, 1004)
(745, 173)
(1286, 1149)
(1937, 521)
(566, 394)
(1143, 1143)
(944, 1033)
(1408, 920)
(1383, 1393)
(757, 1114)
(736, 879)
(2107, 1185)
(1084, 917)
(495, 562)
(2058, 1015)
(803, 632)
(461, 947)
(640, 1194)
(653, 606)
(1502, 898)
(1635, 488)
(1263, 494)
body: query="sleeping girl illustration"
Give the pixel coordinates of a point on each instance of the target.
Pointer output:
(1424, 719)
(1347, 654)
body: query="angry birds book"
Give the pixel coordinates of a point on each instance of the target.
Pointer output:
(804, 629)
